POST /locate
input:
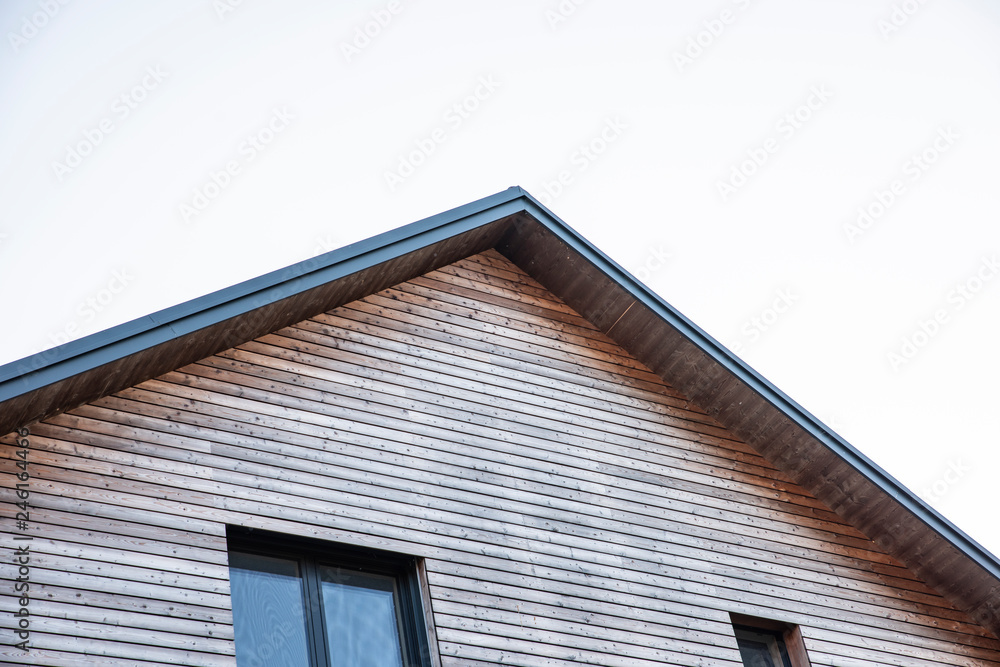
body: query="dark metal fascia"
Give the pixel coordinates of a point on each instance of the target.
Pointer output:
(145, 332)
(802, 417)
(51, 366)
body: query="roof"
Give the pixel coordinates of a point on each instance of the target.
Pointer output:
(532, 237)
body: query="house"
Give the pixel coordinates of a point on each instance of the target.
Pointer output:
(474, 440)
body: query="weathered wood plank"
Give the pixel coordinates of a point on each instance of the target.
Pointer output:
(552, 445)
(322, 340)
(71, 643)
(399, 471)
(642, 580)
(314, 437)
(601, 584)
(527, 642)
(356, 370)
(315, 486)
(570, 599)
(571, 506)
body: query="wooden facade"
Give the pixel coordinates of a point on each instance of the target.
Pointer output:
(570, 506)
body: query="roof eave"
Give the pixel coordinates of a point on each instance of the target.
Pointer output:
(533, 237)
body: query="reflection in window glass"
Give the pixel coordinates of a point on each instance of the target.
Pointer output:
(362, 626)
(268, 611)
(761, 648)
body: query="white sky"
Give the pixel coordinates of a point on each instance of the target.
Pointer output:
(841, 104)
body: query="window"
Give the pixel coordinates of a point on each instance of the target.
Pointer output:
(761, 648)
(766, 643)
(307, 603)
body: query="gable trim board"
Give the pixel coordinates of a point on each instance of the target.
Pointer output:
(533, 238)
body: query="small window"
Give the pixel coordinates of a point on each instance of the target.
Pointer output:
(761, 648)
(307, 603)
(767, 643)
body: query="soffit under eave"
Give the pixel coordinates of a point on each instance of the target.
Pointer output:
(605, 302)
(159, 350)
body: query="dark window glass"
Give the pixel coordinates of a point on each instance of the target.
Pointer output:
(304, 603)
(362, 615)
(761, 648)
(268, 611)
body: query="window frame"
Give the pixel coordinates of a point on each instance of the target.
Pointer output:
(313, 554)
(788, 633)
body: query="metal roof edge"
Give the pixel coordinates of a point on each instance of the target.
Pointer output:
(53, 365)
(802, 417)
(117, 342)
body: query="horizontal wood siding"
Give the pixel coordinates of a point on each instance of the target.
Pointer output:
(570, 506)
